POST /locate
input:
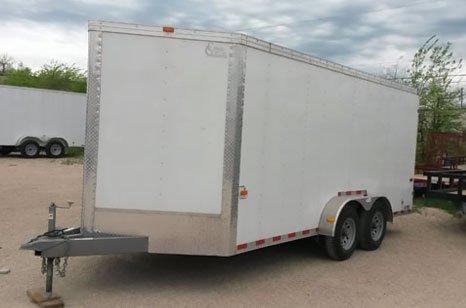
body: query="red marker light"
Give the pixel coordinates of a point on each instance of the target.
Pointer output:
(168, 29)
(243, 192)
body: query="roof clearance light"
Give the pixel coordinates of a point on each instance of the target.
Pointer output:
(168, 29)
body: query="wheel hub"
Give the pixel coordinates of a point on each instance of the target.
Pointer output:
(377, 226)
(55, 149)
(348, 233)
(31, 149)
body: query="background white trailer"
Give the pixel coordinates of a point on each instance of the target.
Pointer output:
(34, 119)
(236, 144)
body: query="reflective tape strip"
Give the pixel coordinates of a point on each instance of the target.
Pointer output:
(352, 192)
(276, 240)
(242, 246)
(260, 242)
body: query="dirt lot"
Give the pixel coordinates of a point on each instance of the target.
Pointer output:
(421, 263)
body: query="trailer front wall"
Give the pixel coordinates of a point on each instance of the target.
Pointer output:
(308, 133)
(162, 125)
(41, 113)
(165, 112)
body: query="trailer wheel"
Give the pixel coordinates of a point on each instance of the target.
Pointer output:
(5, 150)
(373, 225)
(342, 245)
(30, 149)
(55, 149)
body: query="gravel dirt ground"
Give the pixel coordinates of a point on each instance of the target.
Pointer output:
(422, 262)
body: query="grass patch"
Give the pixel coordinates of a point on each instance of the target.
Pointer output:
(74, 155)
(445, 205)
(75, 152)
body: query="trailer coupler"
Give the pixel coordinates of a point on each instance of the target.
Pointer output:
(59, 243)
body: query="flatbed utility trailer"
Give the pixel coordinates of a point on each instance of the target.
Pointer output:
(454, 189)
(238, 144)
(34, 120)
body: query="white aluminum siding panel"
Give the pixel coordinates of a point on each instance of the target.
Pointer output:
(309, 133)
(162, 124)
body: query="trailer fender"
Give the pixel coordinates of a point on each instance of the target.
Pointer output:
(42, 142)
(334, 206)
(30, 138)
(61, 140)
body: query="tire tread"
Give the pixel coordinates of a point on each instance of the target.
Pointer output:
(332, 243)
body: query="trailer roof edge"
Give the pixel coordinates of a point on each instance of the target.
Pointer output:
(247, 40)
(42, 89)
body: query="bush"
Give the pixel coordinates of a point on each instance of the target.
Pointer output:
(55, 76)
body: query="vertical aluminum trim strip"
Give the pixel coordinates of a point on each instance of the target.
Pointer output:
(92, 130)
(232, 152)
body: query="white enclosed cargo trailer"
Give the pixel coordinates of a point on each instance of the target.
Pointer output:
(32, 120)
(238, 144)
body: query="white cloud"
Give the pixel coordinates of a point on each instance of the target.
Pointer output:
(363, 33)
(126, 4)
(36, 43)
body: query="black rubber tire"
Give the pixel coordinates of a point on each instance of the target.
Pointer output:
(49, 152)
(5, 150)
(23, 147)
(333, 245)
(366, 242)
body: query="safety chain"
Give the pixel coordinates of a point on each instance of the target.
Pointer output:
(43, 268)
(61, 271)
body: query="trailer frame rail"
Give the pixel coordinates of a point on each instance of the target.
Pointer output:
(453, 191)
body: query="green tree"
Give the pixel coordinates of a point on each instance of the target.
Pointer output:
(431, 75)
(54, 75)
(60, 76)
(6, 64)
(22, 77)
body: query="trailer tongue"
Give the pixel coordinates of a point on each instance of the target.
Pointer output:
(74, 242)
(63, 243)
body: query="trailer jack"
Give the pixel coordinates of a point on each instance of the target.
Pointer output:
(59, 243)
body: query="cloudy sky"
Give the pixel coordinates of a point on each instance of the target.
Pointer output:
(366, 34)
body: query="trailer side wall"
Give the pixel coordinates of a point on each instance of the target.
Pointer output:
(310, 132)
